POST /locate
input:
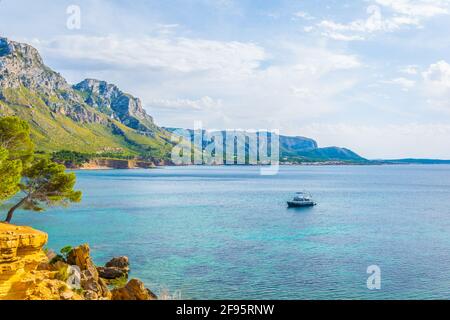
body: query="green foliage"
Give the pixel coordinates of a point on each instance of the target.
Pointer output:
(118, 283)
(66, 251)
(70, 158)
(10, 173)
(79, 291)
(46, 183)
(15, 137)
(57, 258)
(52, 131)
(63, 273)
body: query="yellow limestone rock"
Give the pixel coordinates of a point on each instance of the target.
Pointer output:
(90, 279)
(20, 255)
(133, 290)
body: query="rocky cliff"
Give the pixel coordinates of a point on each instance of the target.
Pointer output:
(109, 99)
(21, 256)
(29, 273)
(292, 149)
(21, 66)
(118, 164)
(90, 117)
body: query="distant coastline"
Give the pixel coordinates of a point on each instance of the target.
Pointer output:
(119, 164)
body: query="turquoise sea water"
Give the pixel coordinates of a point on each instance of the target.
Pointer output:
(225, 232)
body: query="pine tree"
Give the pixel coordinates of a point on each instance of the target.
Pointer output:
(15, 137)
(10, 173)
(44, 184)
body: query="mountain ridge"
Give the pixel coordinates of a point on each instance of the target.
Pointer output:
(97, 117)
(295, 148)
(110, 100)
(61, 117)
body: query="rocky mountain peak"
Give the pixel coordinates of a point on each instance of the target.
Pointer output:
(24, 79)
(23, 75)
(28, 54)
(22, 65)
(109, 99)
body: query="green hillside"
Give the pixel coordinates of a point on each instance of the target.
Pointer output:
(98, 119)
(84, 119)
(53, 131)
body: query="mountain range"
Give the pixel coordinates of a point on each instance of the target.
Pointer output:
(292, 149)
(96, 117)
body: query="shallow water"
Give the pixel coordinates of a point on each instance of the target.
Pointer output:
(226, 232)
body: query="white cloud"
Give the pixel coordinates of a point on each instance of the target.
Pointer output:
(417, 8)
(176, 54)
(165, 29)
(400, 13)
(411, 69)
(437, 85)
(389, 141)
(203, 104)
(404, 83)
(359, 29)
(284, 81)
(438, 75)
(299, 83)
(304, 15)
(341, 36)
(319, 61)
(163, 70)
(303, 92)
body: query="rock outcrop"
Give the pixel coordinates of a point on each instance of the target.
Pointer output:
(28, 273)
(102, 163)
(22, 69)
(21, 255)
(133, 290)
(87, 118)
(116, 268)
(90, 279)
(109, 99)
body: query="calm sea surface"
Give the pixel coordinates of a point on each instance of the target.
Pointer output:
(225, 232)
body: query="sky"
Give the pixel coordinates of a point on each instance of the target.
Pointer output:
(370, 75)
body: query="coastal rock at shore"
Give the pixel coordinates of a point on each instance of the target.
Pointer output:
(90, 279)
(133, 290)
(119, 262)
(21, 259)
(28, 273)
(118, 267)
(103, 163)
(111, 273)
